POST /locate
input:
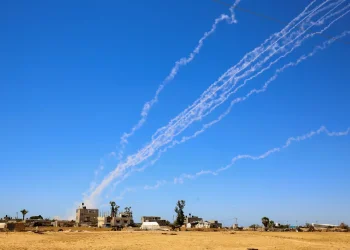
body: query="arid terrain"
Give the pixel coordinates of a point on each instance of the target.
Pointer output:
(174, 240)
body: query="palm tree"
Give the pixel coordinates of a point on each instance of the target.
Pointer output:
(130, 212)
(265, 221)
(112, 208)
(24, 212)
(116, 209)
(127, 210)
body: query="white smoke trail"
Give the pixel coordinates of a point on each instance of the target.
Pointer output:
(158, 185)
(146, 152)
(247, 60)
(302, 58)
(182, 62)
(124, 192)
(296, 45)
(325, 8)
(167, 136)
(289, 141)
(185, 123)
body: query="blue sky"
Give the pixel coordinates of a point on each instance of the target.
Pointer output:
(74, 76)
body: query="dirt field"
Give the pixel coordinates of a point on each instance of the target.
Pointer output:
(180, 240)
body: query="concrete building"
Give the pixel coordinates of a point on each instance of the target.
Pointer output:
(215, 224)
(15, 227)
(192, 219)
(86, 217)
(104, 221)
(149, 219)
(121, 220)
(159, 220)
(204, 224)
(63, 223)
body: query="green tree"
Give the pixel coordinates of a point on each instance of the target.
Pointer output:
(24, 212)
(265, 221)
(179, 210)
(271, 224)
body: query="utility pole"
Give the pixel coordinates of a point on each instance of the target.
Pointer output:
(236, 224)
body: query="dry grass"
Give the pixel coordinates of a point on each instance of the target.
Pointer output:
(181, 240)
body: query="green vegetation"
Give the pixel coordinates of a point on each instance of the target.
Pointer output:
(24, 212)
(179, 210)
(265, 221)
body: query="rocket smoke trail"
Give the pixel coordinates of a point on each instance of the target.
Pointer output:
(216, 94)
(182, 62)
(289, 141)
(302, 58)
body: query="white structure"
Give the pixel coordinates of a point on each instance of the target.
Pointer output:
(2, 226)
(150, 226)
(188, 225)
(323, 225)
(102, 222)
(203, 224)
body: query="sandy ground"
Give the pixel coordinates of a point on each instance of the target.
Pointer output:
(181, 240)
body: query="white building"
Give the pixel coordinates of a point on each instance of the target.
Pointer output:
(150, 226)
(203, 224)
(103, 222)
(2, 226)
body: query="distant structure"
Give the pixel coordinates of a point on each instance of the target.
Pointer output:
(115, 219)
(192, 221)
(202, 224)
(323, 225)
(159, 220)
(86, 217)
(150, 225)
(215, 224)
(37, 217)
(63, 223)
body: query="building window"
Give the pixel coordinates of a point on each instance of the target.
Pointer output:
(125, 221)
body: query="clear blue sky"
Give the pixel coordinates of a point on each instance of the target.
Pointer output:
(74, 76)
